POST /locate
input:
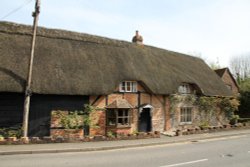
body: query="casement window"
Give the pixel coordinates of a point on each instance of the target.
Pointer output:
(128, 86)
(118, 117)
(186, 115)
(184, 89)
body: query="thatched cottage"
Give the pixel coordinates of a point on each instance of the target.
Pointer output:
(132, 85)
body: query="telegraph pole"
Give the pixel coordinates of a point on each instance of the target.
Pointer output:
(28, 90)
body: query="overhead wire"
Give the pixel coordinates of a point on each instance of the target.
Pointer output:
(16, 9)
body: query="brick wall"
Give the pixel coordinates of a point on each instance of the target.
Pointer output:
(227, 79)
(98, 124)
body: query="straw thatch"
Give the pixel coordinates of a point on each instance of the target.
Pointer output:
(120, 103)
(81, 64)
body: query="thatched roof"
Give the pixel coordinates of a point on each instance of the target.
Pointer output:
(220, 72)
(120, 103)
(80, 64)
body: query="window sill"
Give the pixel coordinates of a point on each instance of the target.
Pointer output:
(127, 92)
(186, 123)
(118, 127)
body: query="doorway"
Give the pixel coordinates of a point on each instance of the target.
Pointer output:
(145, 121)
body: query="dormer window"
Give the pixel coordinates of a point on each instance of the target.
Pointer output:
(184, 88)
(128, 86)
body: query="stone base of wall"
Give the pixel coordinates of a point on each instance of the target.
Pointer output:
(67, 133)
(60, 139)
(211, 129)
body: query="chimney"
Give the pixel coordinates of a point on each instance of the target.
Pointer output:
(137, 38)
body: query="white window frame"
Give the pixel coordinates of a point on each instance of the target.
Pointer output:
(184, 88)
(186, 115)
(128, 86)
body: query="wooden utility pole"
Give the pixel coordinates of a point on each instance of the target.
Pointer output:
(28, 90)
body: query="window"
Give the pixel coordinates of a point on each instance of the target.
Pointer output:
(128, 86)
(123, 117)
(184, 89)
(186, 115)
(118, 117)
(229, 87)
(111, 117)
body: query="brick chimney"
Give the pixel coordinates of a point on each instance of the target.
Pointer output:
(137, 38)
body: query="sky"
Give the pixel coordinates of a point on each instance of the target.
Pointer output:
(215, 30)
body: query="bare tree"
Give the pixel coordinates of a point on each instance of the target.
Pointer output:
(240, 66)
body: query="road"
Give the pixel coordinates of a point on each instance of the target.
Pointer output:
(229, 152)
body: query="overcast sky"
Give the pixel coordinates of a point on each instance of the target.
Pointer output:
(214, 29)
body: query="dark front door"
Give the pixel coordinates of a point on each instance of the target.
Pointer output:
(145, 120)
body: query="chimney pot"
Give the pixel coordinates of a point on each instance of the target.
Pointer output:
(137, 38)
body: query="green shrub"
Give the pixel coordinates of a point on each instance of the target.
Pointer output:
(243, 120)
(111, 134)
(11, 132)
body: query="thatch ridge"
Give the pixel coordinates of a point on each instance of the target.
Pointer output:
(19, 29)
(82, 64)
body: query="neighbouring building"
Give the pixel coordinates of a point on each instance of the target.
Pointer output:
(134, 88)
(228, 79)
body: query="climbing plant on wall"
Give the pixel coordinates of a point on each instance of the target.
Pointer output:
(206, 104)
(176, 99)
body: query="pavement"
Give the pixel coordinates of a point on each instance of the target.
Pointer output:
(111, 145)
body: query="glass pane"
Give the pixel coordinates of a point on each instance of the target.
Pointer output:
(120, 121)
(180, 89)
(134, 86)
(188, 118)
(182, 119)
(126, 113)
(185, 90)
(129, 86)
(111, 113)
(120, 113)
(126, 121)
(111, 121)
(122, 87)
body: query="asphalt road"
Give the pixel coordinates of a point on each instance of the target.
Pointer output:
(228, 152)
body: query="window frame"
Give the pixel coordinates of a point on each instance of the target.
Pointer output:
(187, 116)
(118, 117)
(128, 86)
(184, 88)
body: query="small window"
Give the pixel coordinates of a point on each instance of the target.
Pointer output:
(186, 115)
(118, 117)
(184, 89)
(229, 87)
(128, 86)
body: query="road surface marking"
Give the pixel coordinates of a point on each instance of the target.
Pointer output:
(221, 138)
(186, 163)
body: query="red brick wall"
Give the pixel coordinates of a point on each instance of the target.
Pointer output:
(67, 133)
(227, 79)
(98, 123)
